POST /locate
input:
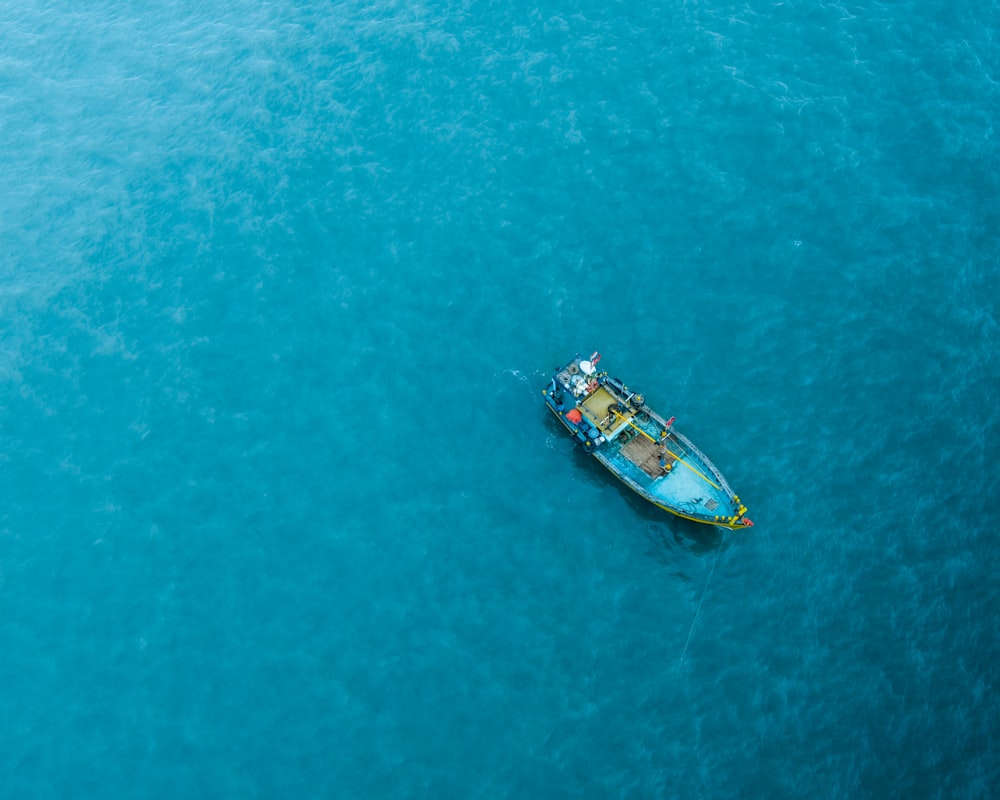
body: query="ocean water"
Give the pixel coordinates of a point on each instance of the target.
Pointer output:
(281, 512)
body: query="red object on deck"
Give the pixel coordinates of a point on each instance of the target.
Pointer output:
(574, 416)
(594, 358)
(671, 421)
(748, 522)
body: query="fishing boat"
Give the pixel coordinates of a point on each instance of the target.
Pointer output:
(644, 450)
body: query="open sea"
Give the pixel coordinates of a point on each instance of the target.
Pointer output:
(282, 514)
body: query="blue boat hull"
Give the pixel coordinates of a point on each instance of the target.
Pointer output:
(641, 448)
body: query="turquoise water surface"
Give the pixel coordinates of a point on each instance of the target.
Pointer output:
(283, 513)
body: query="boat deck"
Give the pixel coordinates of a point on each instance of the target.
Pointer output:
(646, 456)
(688, 486)
(598, 406)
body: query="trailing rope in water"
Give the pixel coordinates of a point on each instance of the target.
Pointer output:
(697, 611)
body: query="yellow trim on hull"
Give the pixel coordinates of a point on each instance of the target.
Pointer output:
(720, 523)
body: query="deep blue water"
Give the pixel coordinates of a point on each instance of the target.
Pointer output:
(281, 511)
